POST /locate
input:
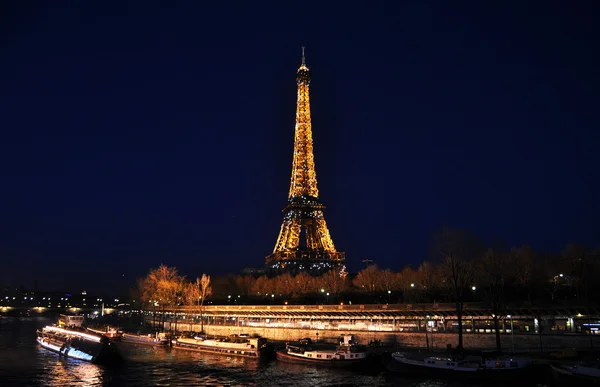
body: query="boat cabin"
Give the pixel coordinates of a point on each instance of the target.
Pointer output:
(348, 340)
(68, 321)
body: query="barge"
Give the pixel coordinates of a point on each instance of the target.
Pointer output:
(71, 341)
(348, 353)
(237, 346)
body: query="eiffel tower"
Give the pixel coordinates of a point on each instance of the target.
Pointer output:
(303, 214)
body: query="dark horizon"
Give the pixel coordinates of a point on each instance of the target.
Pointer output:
(141, 135)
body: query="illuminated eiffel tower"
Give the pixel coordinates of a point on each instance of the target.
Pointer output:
(315, 253)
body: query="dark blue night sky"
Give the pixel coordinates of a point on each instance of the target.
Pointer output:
(147, 132)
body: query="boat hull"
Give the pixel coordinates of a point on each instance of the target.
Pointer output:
(421, 369)
(65, 350)
(568, 378)
(251, 353)
(102, 351)
(467, 373)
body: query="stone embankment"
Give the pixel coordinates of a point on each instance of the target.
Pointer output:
(438, 340)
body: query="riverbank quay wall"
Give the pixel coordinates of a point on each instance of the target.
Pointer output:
(522, 327)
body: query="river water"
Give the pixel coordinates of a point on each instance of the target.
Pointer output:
(24, 363)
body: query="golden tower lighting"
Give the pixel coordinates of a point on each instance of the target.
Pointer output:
(304, 210)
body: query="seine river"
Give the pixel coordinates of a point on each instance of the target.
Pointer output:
(24, 363)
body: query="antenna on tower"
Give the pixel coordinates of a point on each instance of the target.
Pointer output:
(303, 61)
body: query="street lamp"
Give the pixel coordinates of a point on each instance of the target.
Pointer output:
(512, 334)
(412, 285)
(328, 297)
(473, 288)
(389, 295)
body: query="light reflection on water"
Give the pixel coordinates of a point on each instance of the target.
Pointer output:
(24, 363)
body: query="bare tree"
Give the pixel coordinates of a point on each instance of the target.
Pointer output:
(143, 293)
(493, 272)
(205, 292)
(387, 281)
(284, 284)
(303, 284)
(263, 286)
(163, 286)
(406, 281)
(576, 257)
(244, 284)
(367, 280)
(427, 279)
(457, 250)
(193, 296)
(334, 282)
(523, 266)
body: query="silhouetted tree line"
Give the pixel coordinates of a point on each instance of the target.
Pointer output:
(463, 268)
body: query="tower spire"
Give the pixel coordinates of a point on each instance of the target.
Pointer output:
(303, 59)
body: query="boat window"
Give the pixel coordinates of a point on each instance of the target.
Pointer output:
(500, 364)
(329, 356)
(318, 355)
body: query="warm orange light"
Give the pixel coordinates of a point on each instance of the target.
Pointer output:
(73, 333)
(303, 183)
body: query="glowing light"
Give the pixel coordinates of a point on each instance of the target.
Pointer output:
(304, 208)
(73, 333)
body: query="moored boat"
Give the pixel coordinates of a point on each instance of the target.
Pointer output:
(158, 339)
(238, 346)
(348, 353)
(579, 374)
(74, 342)
(414, 362)
(472, 365)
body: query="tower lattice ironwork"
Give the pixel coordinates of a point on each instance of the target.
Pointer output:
(304, 211)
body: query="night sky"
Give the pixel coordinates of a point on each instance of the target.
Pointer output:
(150, 133)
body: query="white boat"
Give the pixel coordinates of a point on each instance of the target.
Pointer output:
(433, 363)
(76, 344)
(234, 345)
(469, 364)
(576, 374)
(349, 352)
